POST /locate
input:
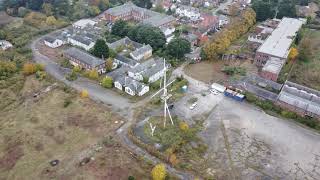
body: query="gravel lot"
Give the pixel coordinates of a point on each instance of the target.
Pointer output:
(247, 143)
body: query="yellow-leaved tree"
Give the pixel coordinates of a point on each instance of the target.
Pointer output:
(159, 172)
(293, 53)
(183, 126)
(84, 93)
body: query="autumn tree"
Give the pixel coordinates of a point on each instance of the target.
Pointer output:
(159, 172)
(293, 53)
(183, 126)
(222, 40)
(51, 21)
(109, 64)
(84, 93)
(173, 159)
(92, 74)
(29, 68)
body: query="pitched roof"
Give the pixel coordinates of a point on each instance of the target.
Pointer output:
(84, 40)
(301, 97)
(126, 81)
(49, 39)
(83, 57)
(141, 50)
(126, 60)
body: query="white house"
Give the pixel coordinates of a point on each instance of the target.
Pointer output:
(188, 11)
(131, 86)
(83, 42)
(142, 53)
(4, 45)
(152, 70)
(53, 42)
(82, 23)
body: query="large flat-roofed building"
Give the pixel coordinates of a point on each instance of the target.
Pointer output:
(272, 68)
(300, 99)
(129, 11)
(278, 43)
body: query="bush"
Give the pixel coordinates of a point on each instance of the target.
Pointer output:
(29, 69)
(107, 82)
(7, 69)
(234, 70)
(41, 75)
(65, 63)
(84, 94)
(72, 76)
(92, 74)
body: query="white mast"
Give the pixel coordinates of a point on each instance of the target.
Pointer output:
(165, 95)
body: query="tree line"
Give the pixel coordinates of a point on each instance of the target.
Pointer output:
(146, 34)
(71, 9)
(223, 39)
(276, 8)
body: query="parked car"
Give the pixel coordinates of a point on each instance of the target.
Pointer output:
(214, 92)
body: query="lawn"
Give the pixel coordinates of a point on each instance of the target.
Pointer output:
(59, 124)
(308, 72)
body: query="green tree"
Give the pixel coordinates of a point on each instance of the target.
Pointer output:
(47, 9)
(62, 7)
(107, 82)
(146, 34)
(286, 9)
(100, 49)
(178, 47)
(34, 4)
(263, 10)
(120, 28)
(143, 3)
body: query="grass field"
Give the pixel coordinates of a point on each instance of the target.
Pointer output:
(308, 72)
(58, 124)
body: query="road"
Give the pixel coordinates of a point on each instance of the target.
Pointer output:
(95, 91)
(119, 104)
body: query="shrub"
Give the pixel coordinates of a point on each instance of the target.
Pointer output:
(7, 69)
(41, 75)
(107, 82)
(159, 172)
(131, 178)
(29, 69)
(184, 126)
(84, 94)
(65, 63)
(72, 76)
(92, 74)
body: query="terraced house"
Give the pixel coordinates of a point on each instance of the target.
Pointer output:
(84, 60)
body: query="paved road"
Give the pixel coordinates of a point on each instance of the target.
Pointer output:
(118, 103)
(96, 92)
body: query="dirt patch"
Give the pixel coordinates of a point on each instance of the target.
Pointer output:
(5, 18)
(13, 153)
(206, 71)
